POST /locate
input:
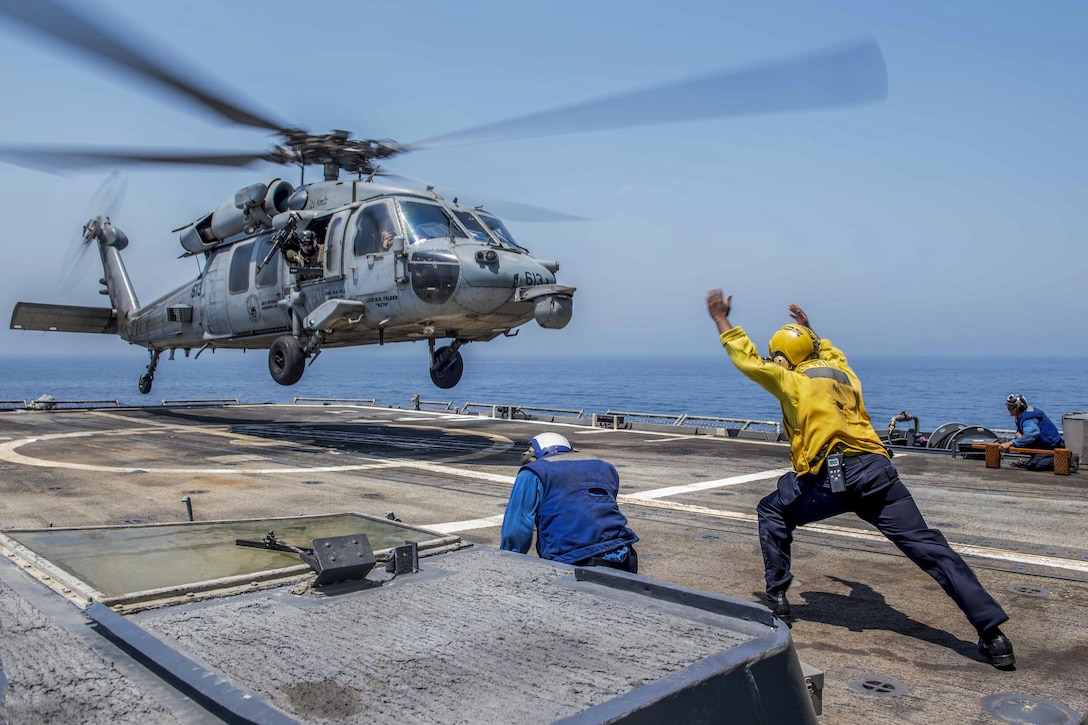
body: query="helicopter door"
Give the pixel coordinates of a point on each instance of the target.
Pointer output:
(243, 310)
(212, 294)
(334, 246)
(370, 236)
(270, 285)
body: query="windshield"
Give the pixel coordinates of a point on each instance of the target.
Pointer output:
(500, 231)
(429, 221)
(475, 228)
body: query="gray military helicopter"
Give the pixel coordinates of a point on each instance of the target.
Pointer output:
(367, 260)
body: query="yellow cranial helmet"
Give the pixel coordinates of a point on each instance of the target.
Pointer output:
(796, 343)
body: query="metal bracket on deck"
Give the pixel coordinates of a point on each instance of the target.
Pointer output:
(335, 558)
(403, 559)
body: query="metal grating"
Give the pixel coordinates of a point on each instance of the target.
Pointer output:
(878, 685)
(1030, 591)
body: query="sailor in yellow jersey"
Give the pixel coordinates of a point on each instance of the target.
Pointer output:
(841, 465)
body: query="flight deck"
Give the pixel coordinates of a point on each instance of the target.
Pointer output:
(890, 645)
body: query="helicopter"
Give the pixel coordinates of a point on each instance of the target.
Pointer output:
(365, 259)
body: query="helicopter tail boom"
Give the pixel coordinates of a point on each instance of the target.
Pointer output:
(118, 285)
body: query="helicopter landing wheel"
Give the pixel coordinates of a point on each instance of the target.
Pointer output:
(149, 374)
(447, 367)
(286, 361)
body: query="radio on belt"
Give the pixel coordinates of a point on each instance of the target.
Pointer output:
(835, 475)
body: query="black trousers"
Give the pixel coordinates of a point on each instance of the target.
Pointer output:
(875, 493)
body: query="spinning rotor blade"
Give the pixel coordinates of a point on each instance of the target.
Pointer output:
(849, 74)
(57, 20)
(49, 158)
(512, 210)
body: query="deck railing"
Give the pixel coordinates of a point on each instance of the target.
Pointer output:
(335, 401)
(729, 425)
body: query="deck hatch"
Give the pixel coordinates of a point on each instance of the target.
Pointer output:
(115, 561)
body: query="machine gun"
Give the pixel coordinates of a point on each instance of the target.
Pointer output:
(284, 239)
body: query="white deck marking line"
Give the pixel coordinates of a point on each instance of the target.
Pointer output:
(440, 468)
(451, 527)
(982, 552)
(454, 527)
(8, 452)
(647, 499)
(704, 485)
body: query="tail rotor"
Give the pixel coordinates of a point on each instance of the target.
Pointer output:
(103, 206)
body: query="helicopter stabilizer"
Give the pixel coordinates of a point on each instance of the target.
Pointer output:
(63, 318)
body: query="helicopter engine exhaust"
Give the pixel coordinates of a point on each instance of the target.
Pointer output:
(553, 312)
(251, 208)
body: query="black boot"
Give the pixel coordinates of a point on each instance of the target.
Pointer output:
(996, 647)
(780, 606)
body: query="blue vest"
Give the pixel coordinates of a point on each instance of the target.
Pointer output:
(1048, 432)
(578, 515)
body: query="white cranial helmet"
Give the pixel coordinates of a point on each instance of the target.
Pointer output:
(545, 444)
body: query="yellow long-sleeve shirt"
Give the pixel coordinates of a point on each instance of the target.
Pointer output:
(821, 401)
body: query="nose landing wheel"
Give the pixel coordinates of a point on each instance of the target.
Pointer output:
(447, 365)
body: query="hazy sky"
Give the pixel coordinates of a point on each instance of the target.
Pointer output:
(949, 219)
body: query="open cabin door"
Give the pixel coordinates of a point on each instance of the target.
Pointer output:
(334, 245)
(369, 246)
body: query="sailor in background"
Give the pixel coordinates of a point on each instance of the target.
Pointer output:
(841, 465)
(571, 502)
(1033, 430)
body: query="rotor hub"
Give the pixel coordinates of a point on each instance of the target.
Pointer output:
(337, 149)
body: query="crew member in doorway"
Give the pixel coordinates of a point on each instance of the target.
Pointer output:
(571, 502)
(1033, 430)
(308, 254)
(840, 465)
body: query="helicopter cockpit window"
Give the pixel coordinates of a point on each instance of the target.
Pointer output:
(475, 228)
(372, 230)
(500, 231)
(429, 221)
(239, 268)
(269, 274)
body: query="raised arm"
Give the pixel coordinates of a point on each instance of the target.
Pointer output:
(719, 308)
(799, 316)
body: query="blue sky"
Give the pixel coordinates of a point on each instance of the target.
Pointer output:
(949, 219)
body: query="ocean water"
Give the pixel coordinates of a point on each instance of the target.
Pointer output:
(937, 390)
